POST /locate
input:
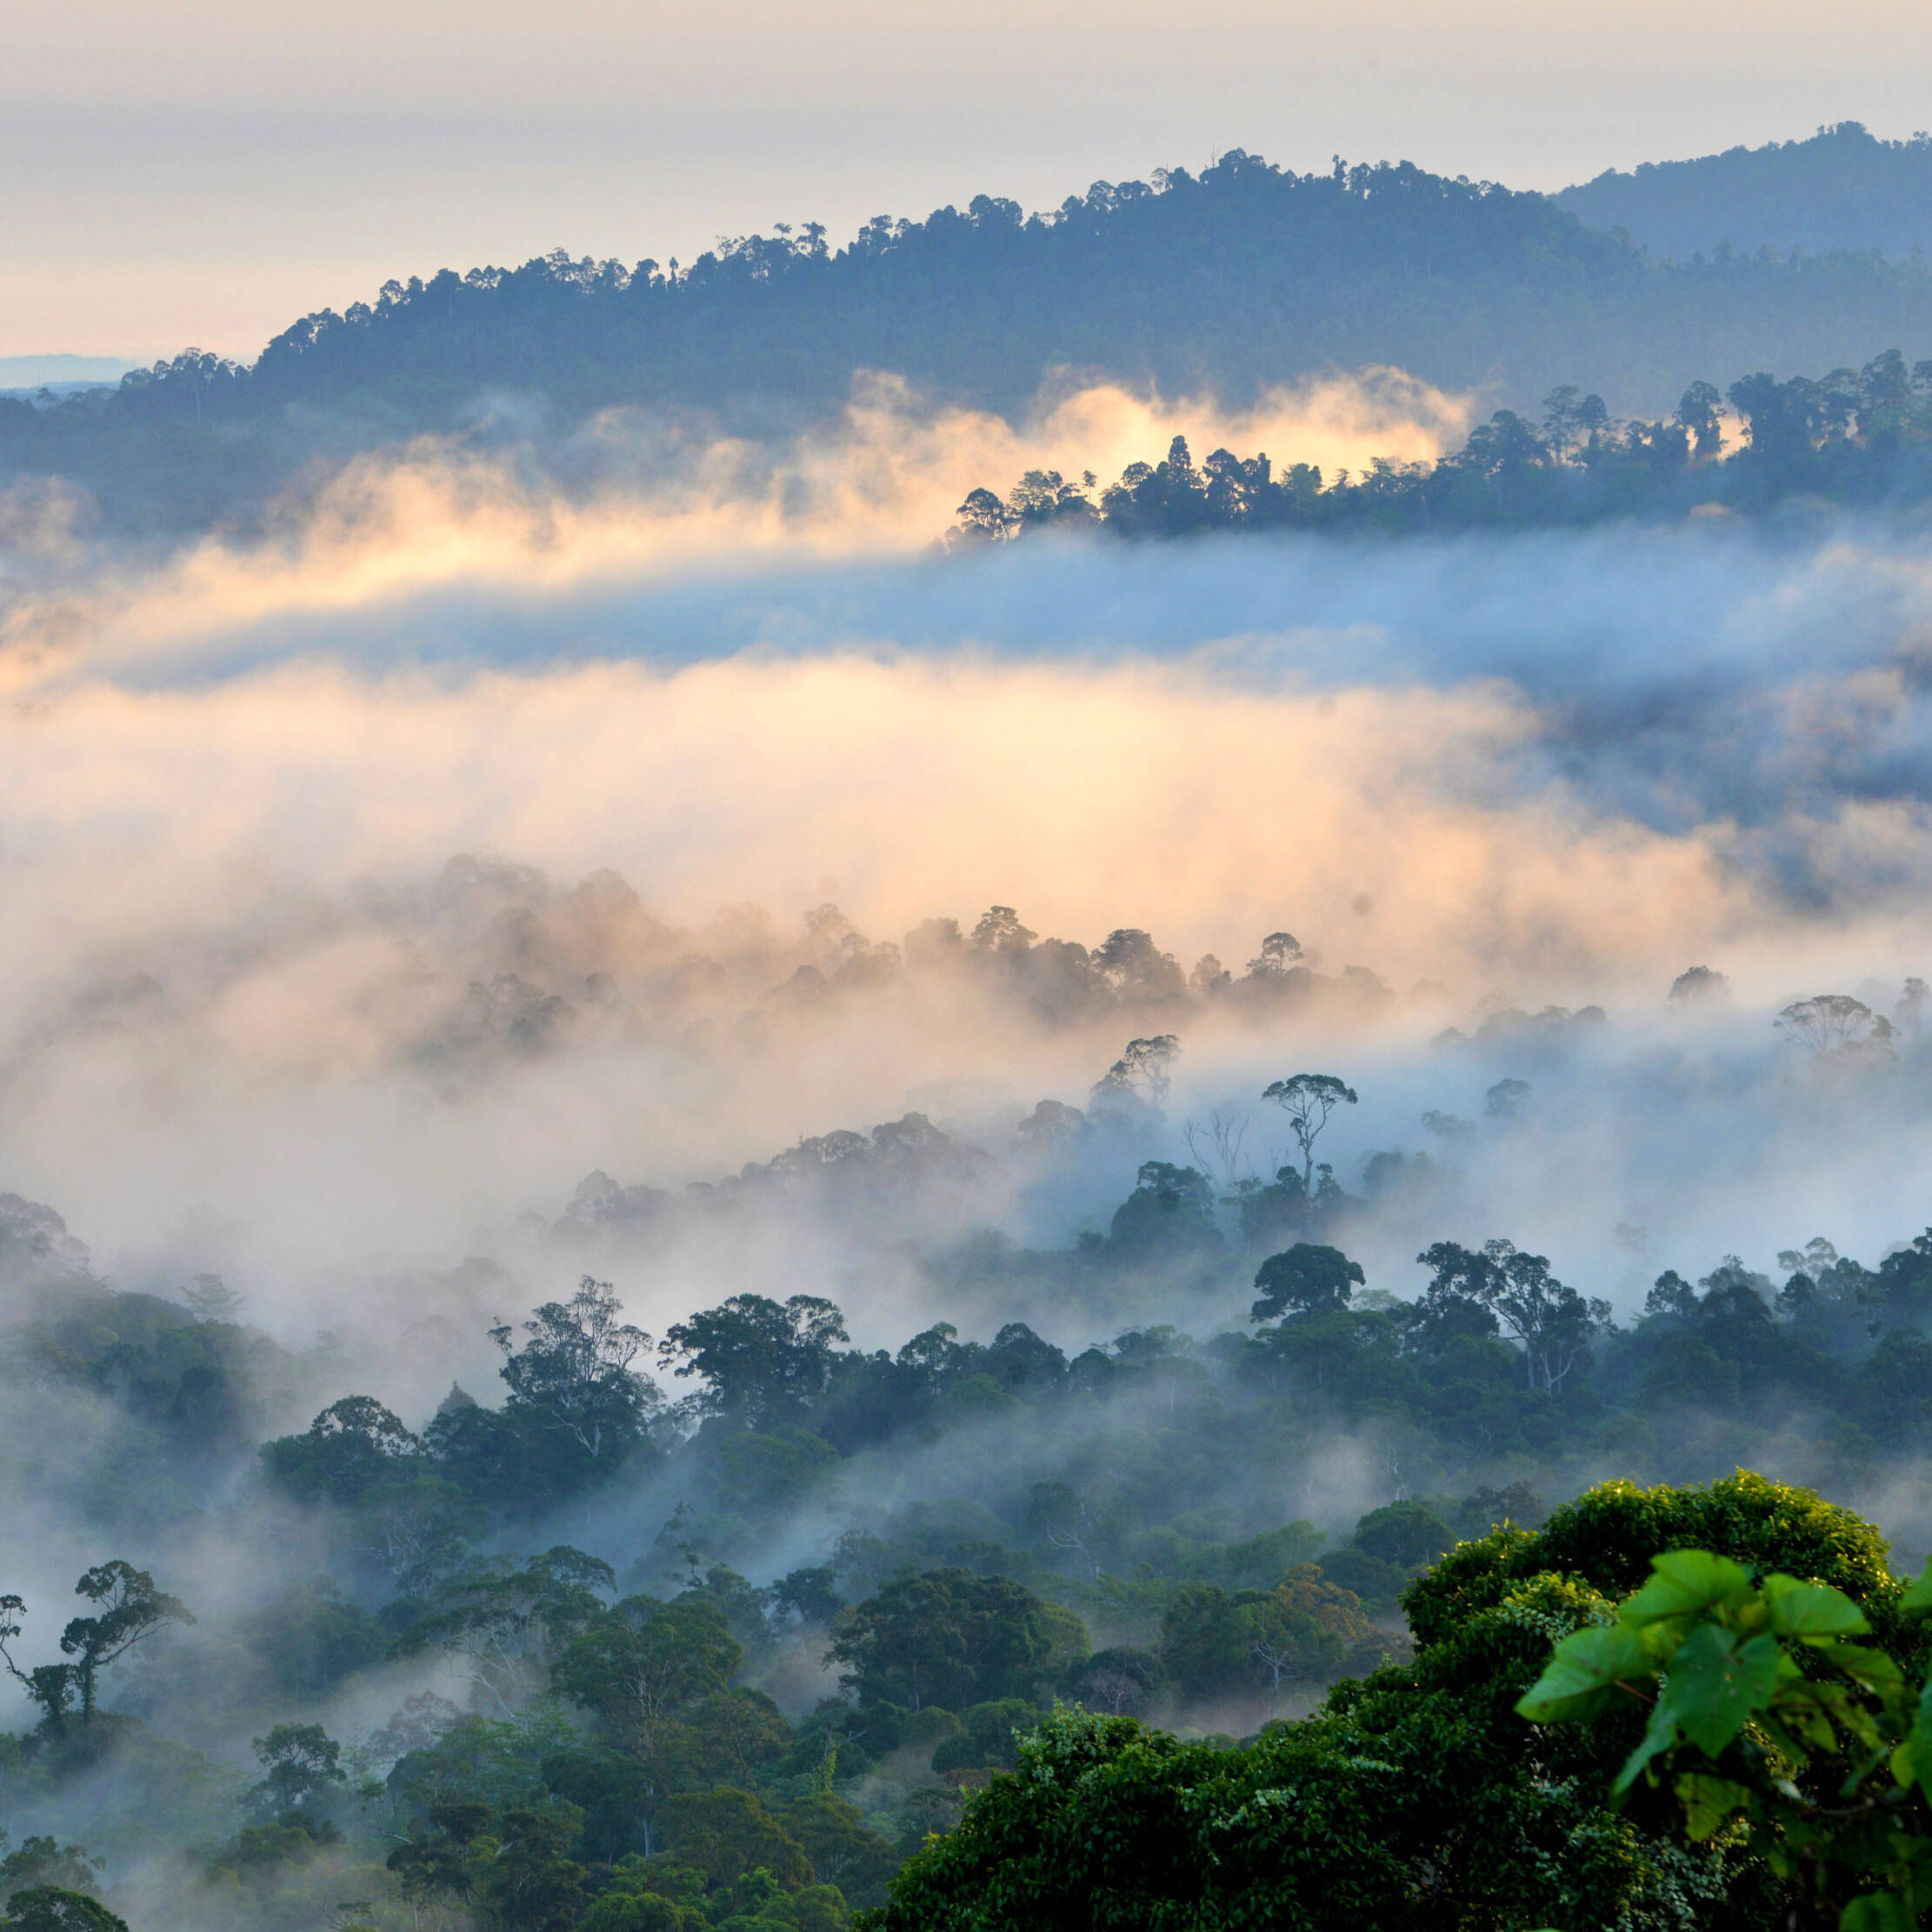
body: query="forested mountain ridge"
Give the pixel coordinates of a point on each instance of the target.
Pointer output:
(1842, 188)
(1220, 283)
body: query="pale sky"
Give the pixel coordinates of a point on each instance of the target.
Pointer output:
(206, 172)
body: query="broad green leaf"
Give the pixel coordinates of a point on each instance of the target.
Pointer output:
(1875, 1669)
(1687, 1580)
(1716, 1683)
(1582, 1676)
(1807, 1715)
(1862, 1726)
(1878, 1912)
(1918, 1594)
(1659, 1736)
(1918, 1740)
(1784, 1743)
(1812, 1611)
(1708, 1802)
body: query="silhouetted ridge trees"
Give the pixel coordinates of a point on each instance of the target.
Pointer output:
(1244, 276)
(1855, 436)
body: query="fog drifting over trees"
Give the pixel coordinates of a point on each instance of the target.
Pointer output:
(683, 1173)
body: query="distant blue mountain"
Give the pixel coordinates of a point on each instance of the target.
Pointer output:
(1842, 188)
(60, 372)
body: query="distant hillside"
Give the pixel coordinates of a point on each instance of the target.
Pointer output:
(1244, 276)
(1842, 188)
(59, 372)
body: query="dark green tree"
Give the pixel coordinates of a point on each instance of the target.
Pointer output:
(946, 1638)
(1308, 1099)
(350, 1448)
(51, 1908)
(302, 1763)
(131, 1608)
(1169, 1215)
(574, 1372)
(728, 1831)
(1554, 1323)
(532, 1884)
(1120, 1681)
(645, 1664)
(761, 1361)
(310, 1636)
(843, 1850)
(1306, 1279)
(444, 1860)
(1406, 1533)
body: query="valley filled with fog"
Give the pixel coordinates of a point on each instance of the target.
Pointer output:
(693, 1153)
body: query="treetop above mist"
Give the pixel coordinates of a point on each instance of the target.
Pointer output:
(1855, 437)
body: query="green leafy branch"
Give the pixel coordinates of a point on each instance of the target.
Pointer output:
(1770, 1719)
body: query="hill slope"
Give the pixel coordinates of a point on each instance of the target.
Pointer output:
(1244, 276)
(1842, 188)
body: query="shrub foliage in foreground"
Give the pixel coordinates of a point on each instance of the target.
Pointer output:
(1418, 1797)
(1774, 1725)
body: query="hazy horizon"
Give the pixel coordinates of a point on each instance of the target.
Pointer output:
(207, 182)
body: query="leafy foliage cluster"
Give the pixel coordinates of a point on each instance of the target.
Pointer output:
(1418, 1796)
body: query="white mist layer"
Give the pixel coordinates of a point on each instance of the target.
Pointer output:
(1557, 769)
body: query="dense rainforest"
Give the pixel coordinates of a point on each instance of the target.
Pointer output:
(716, 1627)
(1212, 1447)
(1219, 284)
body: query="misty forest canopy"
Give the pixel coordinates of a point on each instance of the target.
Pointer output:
(1041, 1512)
(1843, 187)
(1855, 437)
(1219, 284)
(744, 1626)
